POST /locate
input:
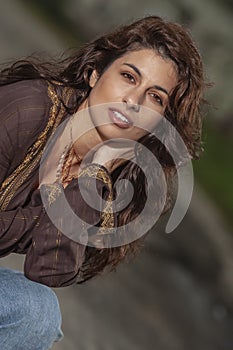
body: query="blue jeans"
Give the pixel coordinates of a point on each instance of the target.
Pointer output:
(30, 317)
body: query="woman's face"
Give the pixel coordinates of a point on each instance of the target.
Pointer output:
(130, 97)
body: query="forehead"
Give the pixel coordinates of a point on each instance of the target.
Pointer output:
(146, 57)
(151, 65)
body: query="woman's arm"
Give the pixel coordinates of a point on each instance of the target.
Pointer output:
(16, 225)
(24, 107)
(24, 112)
(54, 258)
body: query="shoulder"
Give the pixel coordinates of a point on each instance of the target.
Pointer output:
(23, 96)
(31, 86)
(26, 105)
(24, 112)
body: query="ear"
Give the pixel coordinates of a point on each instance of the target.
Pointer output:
(93, 78)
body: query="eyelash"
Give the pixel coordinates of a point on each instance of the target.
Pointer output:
(130, 76)
(158, 98)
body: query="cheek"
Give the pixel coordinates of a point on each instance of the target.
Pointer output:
(153, 122)
(95, 96)
(149, 122)
(106, 91)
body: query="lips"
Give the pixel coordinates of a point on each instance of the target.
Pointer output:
(120, 119)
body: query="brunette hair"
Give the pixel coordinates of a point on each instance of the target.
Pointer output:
(170, 40)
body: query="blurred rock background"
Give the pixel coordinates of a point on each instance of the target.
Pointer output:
(178, 294)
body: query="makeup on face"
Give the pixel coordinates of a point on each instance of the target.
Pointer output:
(134, 91)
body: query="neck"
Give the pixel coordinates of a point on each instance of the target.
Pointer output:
(85, 135)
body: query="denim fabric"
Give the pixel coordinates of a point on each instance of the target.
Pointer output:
(30, 317)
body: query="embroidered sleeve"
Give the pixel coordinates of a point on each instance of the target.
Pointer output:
(73, 217)
(25, 105)
(107, 220)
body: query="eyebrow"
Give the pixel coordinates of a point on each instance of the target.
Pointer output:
(158, 87)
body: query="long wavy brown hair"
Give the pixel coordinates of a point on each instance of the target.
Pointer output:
(172, 41)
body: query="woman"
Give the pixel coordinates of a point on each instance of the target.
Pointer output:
(149, 65)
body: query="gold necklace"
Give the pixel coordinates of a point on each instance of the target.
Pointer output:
(65, 172)
(66, 159)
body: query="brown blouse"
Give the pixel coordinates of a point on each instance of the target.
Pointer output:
(30, 112)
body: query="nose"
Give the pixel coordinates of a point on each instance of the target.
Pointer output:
(132, 101)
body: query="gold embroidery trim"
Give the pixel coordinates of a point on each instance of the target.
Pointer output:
(107, 216)
(94, 171)
(32, 158)
(99, 173)
(53, 191)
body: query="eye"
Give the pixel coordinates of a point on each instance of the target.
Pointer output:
(128, 76)
(157, 98)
